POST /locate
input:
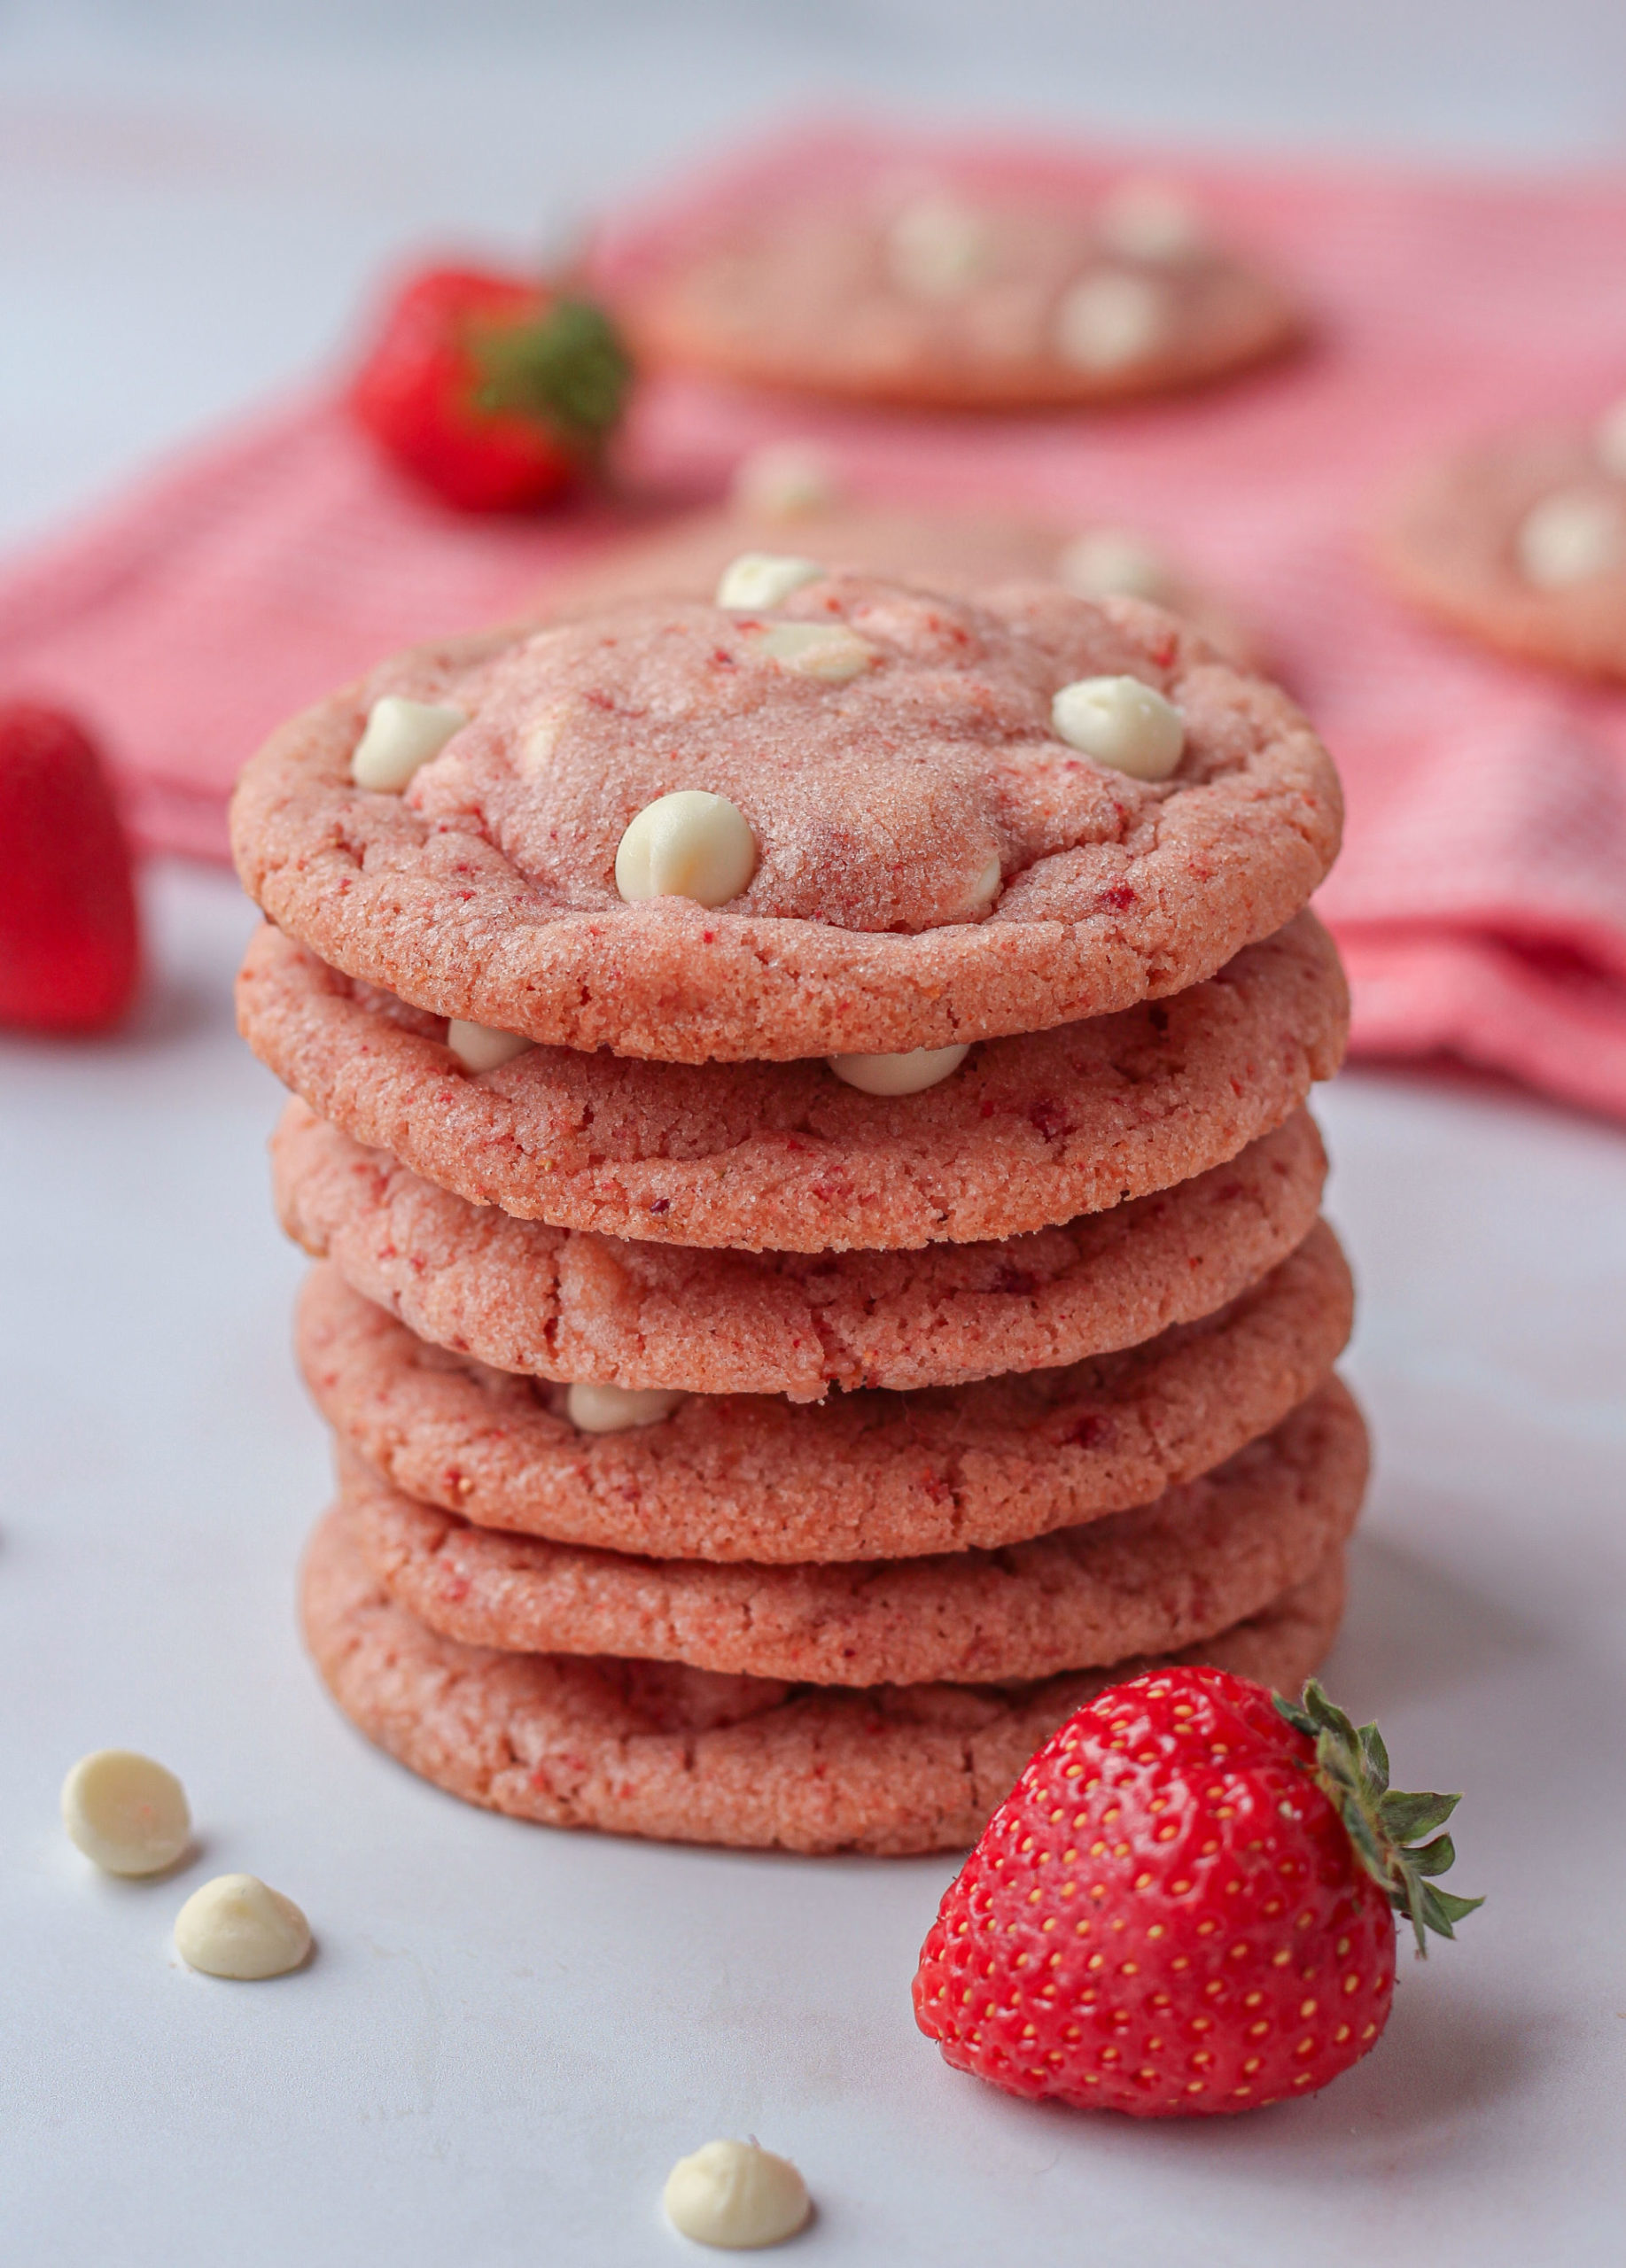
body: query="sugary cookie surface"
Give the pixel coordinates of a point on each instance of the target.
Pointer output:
(851, 823)
(893, 753)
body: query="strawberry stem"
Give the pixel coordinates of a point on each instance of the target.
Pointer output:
(568, 371)
(1383, 1824)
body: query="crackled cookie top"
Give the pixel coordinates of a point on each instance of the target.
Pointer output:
(859, 820)
(1522, 541)
(941, 295)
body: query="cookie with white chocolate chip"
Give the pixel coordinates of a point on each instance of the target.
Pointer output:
(883, 1152)
(866, 1475)
(946, 297)
(940, 850)
(779, 509)
(688, 1756)
(1148, 1580)
(1521, 541)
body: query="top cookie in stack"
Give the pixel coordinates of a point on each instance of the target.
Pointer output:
(932, 822)
(843, 984)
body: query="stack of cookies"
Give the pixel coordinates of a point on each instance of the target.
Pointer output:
(800, 1123)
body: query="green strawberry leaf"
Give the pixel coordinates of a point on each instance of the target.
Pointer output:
(568, 371)
(1406, 1817)
(1384, 1825)
(1436, 1858)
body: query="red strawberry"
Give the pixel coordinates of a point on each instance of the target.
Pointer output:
(69, 940)
(494, 391)
(1184, 1904)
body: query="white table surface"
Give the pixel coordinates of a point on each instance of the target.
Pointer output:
(508, 2035)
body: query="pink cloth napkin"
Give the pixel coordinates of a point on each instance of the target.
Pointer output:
(1481, 901)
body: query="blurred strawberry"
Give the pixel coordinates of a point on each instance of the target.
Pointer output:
(70, 947)
(495, 392)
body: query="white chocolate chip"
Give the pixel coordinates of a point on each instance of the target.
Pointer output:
(827, 650)
(1571, 538)
(539, 740)
(238, 1926)
(126, 1812)
(1149, 220)
(736, 2196)
(985, 888)
(1108, 320)
(1609, 439)
(479, 1047)
(786, 480)
(758, 580)
(899, 1074)
(401, 737)
(688, 844)
(938, 248)
(617, 1409)
(1110, 562)
(1120, 723)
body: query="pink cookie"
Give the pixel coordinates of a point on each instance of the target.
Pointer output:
(946, 297)
(862, 1476)
(564, 1303)
(1025, 1133)
(1168, 1574)
(685, 1756)
(933, 864)
(1522, 542)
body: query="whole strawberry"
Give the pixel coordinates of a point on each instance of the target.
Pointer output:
(1185, 1905)
(494, 391)
(69, 941)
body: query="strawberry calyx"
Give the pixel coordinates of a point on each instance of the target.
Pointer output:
(1351, 1768)
(566, 369)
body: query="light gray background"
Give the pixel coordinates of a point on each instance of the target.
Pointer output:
(507, 2036)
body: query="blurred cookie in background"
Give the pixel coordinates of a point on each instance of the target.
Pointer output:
(1520, 541)
(788, 497)
(929, 295)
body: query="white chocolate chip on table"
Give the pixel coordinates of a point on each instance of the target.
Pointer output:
(479, 1048)
(238, 1926)
(1110, 320)
(736, 2196)
(401, 737)
(909, 1074)
(688, 844)
(126, 1812)
(758, 581)
(1120, 723)
(617, 1409)
(1571, 538)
